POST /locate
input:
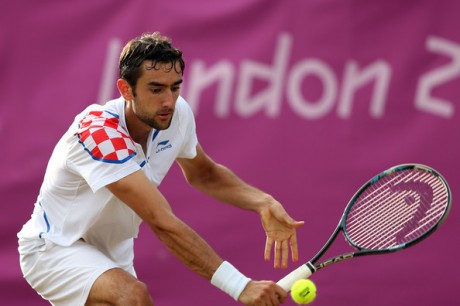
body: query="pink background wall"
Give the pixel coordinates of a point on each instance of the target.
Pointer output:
(304, 99)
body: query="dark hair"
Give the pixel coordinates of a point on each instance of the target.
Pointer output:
(149, 46)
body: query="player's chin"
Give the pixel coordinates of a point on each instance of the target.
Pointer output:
(163, 123)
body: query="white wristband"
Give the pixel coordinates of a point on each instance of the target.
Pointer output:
(228, 279)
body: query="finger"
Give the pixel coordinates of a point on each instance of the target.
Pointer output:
(297, 224)
(274, 299)
(285, 218)
(294, 248)
(292, 223)
(281, 295)
(273, 296)
(284, 254)
(277, 254)
(268, 248)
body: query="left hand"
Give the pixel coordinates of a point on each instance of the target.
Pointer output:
(280, 229)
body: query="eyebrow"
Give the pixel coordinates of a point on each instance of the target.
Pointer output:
(153, 83)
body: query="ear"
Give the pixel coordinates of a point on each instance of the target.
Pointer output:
(125, 89)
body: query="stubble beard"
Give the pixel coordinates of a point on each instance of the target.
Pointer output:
(154, 123)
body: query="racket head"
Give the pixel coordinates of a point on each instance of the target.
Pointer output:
(396, 209)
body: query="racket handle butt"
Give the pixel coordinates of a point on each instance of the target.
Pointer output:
(302, 272)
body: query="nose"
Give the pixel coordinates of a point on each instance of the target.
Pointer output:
(169, 98)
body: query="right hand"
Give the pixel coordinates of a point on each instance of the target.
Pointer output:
(262, 293)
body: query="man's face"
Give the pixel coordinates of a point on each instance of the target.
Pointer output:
(156, 94)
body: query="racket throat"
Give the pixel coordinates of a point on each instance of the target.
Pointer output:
(333, 260)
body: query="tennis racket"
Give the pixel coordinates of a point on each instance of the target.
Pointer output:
(394, 210)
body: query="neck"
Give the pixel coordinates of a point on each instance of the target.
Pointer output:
(138, 130)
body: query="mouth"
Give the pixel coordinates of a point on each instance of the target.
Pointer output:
(164, 115)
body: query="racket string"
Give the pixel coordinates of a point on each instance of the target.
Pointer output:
(378, 226)
(393, 226)
(396, 209)
(378, 223)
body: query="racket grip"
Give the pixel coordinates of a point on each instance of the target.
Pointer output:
(301, 272)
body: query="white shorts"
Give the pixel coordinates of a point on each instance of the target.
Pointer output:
(64, 275)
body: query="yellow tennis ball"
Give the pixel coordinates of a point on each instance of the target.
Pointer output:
(303, 291)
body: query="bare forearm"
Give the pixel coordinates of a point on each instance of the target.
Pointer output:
(225, 186)
(185, 244)
(145, 199)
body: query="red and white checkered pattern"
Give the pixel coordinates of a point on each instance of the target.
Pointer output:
(104, 139)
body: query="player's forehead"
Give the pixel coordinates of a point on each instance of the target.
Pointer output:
(160, 72)
(161, 66)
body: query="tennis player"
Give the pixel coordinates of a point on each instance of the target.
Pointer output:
(101, 183)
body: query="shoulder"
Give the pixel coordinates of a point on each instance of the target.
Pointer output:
(102, 136)
(183, 107)
(184, 113)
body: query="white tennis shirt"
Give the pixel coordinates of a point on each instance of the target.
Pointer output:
(96, 151)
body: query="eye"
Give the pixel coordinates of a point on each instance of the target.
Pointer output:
(175, 88)
(156, 90)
